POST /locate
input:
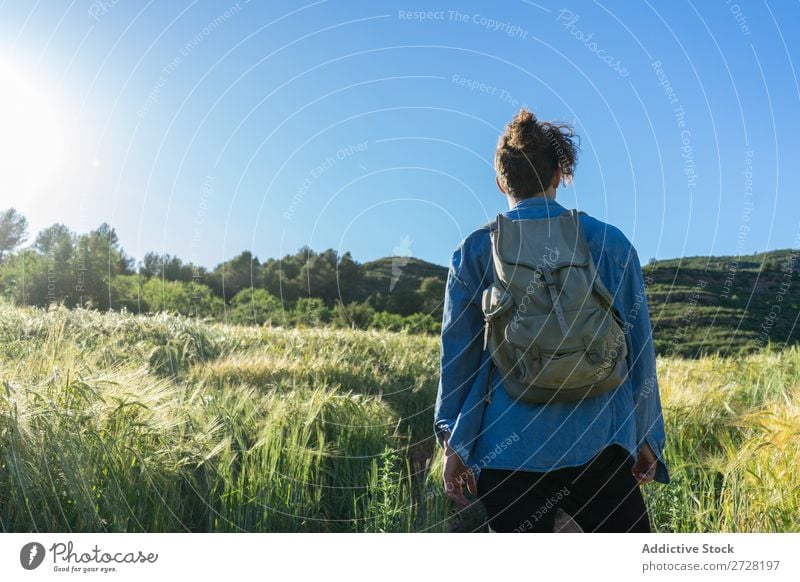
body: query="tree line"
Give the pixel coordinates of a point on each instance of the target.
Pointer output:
(92, 271)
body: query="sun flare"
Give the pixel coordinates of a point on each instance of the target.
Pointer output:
(31, 148)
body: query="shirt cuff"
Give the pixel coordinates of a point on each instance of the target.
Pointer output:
(662, 472)
(442, 430)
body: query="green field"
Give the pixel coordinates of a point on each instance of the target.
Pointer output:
(115, 422)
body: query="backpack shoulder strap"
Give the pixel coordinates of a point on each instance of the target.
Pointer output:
(491, 226)
(574, 212)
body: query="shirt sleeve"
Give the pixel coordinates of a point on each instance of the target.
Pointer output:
(461, 346)
(641, 361)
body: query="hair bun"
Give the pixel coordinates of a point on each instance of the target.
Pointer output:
(524, 132)
(530, 152)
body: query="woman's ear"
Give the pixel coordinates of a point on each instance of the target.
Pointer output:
(497, 181)
(556, 177)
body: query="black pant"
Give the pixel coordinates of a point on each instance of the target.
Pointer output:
(601, 496)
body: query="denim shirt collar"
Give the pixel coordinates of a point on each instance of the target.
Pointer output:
(536, 201)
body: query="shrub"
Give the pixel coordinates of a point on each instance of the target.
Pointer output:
(179, 297)
(256, 306)
(310, 311)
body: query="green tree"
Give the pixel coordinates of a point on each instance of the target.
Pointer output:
(13, 231)
(96, 260)
(431, 291)
(56, 243)
(404, 300)
(318, 276)
(170, 268)
(192, 299)
(126, 293)
(43, 275)
(355, 315)
(388, 321)
(229, 278)
(310, 311)
(256, 306)
(23, 277)
(281, 278)
(422, 323)
(350, 279)
(53, 237)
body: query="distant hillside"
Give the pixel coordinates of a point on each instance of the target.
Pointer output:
(726, 304)
(697, 304)
(398, 273)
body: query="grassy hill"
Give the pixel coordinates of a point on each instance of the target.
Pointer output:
(406, 272)
(131, 423)
(724, 304)
(698, 305)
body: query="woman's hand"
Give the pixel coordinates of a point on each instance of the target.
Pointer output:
(644, 470)
(456, 475)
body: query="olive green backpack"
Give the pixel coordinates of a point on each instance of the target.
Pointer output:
(551, 326)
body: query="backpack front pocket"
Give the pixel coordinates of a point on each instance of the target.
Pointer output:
(547, 358)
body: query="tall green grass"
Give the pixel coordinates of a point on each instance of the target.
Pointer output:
(733, 429)
(115, 422)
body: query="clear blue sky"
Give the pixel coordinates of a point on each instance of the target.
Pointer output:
(205, 128)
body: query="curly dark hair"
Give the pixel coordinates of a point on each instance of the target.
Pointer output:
(529, 151)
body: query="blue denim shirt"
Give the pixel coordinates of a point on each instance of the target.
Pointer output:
(501, 433)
